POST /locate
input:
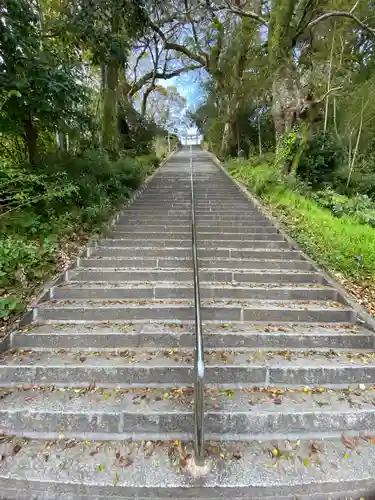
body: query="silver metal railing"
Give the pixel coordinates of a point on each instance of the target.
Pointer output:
(199, 350)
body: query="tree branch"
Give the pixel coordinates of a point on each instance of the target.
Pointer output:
(349, 15)
(333, 89)
(162, 76)
(176, 46)
(355, 6)
(246, 13)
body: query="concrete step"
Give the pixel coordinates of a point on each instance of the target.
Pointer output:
(68, 469)
(186, 243)
(204, 263)
(161, 414)
(178, 235)
(206, 275)
(138, 263)
(209, 219)
(182, 310)
(145, 243)
(115, 310)
(255, 336)
(207, 228)
(185, 253)
(147, 369)
(155, 290)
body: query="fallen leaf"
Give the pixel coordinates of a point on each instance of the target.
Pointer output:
(306, 462)
(149, 447)
(16, 449)
(105, 395)
(275, 452)
(315, 447)
(124, 461)
(100, 467)
(348, 442)
(346, 455)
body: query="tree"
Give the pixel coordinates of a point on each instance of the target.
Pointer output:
(41, 86)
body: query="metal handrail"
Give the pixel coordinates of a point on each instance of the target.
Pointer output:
(199, 350)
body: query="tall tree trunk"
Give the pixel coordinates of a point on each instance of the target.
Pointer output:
(286, 100)
(60, 140)
(329, 80)
(109, 124)
(356, 146)
(259, 137)
(30, 138)
(110, 75)
(228, 139)
(285, 85)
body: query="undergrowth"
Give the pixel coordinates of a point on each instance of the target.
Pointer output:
(341, 243)
(58, 202)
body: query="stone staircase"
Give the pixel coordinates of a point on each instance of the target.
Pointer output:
(96, 396)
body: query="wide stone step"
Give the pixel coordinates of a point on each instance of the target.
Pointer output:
(209, 219)
(109, 336)
(177, 235)
(128, 469)
(104, 415)
(185, 253)
(123, 290)
(142, 368)
(175, 275)
(182, 310)
(114, 310)
(186, 243)
(208, 228)
(205, 263)
(145, 243)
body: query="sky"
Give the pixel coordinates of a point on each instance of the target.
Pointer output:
(189, 86)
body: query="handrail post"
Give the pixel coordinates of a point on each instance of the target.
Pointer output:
(199, 350)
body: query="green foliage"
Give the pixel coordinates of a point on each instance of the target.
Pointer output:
(360, 206)
(60, 196)
(256, 173)
(39, 83)
(9, 306)
(23, 260)
(362, 179)
(320, 160)
(286, 149)
(340, 244)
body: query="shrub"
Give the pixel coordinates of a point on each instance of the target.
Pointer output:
(22, 261)
(320, 160)
(360, 206)
(39, 205)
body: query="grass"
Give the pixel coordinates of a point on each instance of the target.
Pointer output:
(342, 245)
